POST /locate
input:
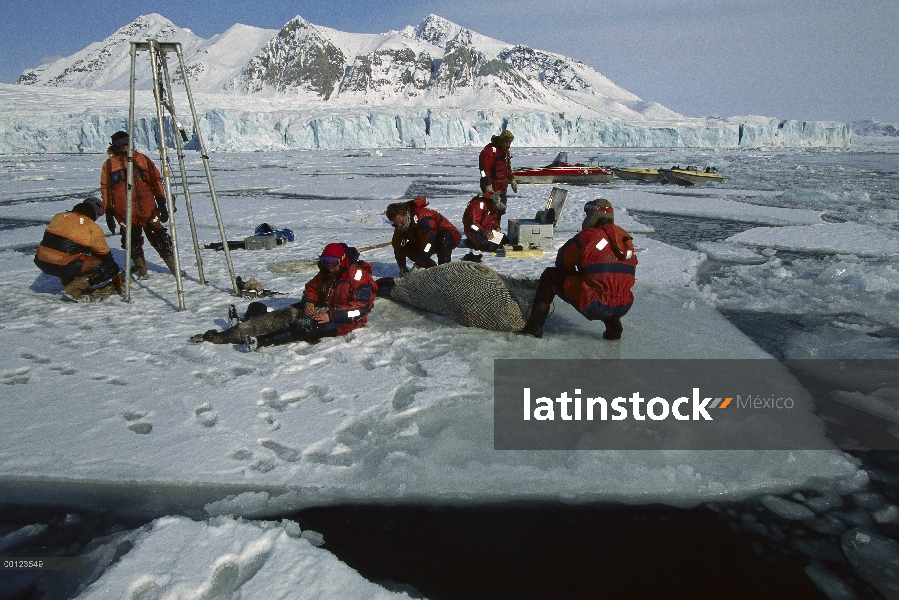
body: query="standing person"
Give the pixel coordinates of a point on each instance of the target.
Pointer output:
(336, 301)
(75, 250)
(594, 272)
(419, 233)
(495, 163)
(481, 224)
(148, 208)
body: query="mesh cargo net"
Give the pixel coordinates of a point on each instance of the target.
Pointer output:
(469, 293)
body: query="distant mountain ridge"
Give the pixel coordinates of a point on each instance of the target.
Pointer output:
(435, 64)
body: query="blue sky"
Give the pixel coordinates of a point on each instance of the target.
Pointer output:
(791, 59)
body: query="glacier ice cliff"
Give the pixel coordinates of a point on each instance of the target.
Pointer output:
(52, 129)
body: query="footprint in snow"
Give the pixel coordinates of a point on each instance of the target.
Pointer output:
(17, 376)
(41, 360)
(137, 427)
(285, 453)
(64, 370)
(205, 416)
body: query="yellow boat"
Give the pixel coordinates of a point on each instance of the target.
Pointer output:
(690, 176)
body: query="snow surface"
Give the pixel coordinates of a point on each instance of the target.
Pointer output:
(111, 402)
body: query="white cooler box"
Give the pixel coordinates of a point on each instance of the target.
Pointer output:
(538, 232)
(530, 233)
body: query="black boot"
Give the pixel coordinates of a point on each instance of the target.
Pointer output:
(613, 329)
(534, 326)
(233, 317)
(275, 338)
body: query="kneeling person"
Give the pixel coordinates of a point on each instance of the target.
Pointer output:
(594, 272)
(336, 301)
(75, 250)
(481, 222)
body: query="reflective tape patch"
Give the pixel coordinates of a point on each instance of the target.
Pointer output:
(475, 228)
(630, 253)
(354, 313)
(358, 275)
(427, 247)
(602, 244)
(482, 206)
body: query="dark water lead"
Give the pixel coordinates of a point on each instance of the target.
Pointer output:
(558, 551)
(680, 231)
(8, 224)
(497, 551)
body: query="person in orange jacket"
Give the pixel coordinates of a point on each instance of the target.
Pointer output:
(419, 233)
(148, 206)
(75, 250)
(594, 272)
(335, 302)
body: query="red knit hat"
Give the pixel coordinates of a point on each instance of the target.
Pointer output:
(336, 251)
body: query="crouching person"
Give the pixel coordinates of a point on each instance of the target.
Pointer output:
(594, 272)
(420, 233)
(75, 250)
(481, 223)
(336, 301)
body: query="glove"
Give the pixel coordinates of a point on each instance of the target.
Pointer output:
(489, 188)
(514, 185)
(110, 221)
(403, 271)
(163, 211)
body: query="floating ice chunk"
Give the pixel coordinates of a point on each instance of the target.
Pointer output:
(228, 558)
(824, 502)
(830, 584)
(732, 253)
(869, 404)
(20, 535)
(787, 509)
(828, 238)
(887, 514)
(875, 558)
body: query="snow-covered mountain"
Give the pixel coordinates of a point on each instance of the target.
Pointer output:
(436, 63)
(305, 86)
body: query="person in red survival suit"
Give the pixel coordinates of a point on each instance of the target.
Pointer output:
(594, 272)
(419, 233)
(148, 206)
(495, 164)
(74, 249)
(481, 223)
(335, 302)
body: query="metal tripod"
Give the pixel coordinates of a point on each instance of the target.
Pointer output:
(163, 99)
